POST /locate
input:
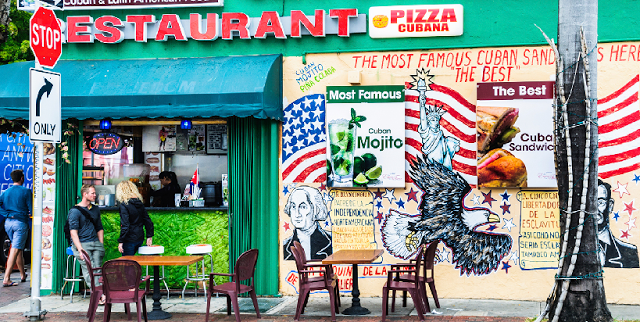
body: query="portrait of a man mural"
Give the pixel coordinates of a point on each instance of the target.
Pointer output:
(613, 252)
(306, 208)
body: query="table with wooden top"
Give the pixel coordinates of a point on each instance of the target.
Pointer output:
(354, 257)
(156, 261)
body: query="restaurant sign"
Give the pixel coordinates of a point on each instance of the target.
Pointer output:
(106, 143)
(415, 21)
(229, 25)
(138, 4)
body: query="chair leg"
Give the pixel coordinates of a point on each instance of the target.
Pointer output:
(228, 304)
(206, 317)
(432, 286)
(332, 301)
(306, 301)
(93, 306)
(127, 309)
(236, 308)
(404, 298)
(393, 301)
(385, 300)
(300, 307)
(144, 309)
(425, 298)
(139, 311)
(107, 312)
(417, 302)
(254, 298)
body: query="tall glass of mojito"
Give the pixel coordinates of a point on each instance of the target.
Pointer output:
(342, 142)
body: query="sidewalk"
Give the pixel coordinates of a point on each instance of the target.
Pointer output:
(283, 309)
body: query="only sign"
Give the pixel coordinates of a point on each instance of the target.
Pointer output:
(45, 37)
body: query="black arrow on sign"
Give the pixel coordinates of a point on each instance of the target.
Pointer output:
(45, 88)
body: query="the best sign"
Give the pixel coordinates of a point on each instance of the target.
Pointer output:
(46, 37)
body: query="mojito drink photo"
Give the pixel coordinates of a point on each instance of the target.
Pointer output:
(342, 142)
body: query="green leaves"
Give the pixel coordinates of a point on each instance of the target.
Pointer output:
(356, 119)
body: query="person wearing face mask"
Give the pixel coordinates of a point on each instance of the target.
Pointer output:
(306, 208)
(613, 252)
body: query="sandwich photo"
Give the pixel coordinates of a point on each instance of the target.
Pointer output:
(499, 168)
(495, 127)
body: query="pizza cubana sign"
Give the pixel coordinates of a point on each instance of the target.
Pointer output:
(415, 21)
(229, 25)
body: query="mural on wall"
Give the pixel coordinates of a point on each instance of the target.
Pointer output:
(304, 141)
(307, 209)
(443, 217)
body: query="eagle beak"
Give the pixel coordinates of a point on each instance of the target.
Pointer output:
(494, 218)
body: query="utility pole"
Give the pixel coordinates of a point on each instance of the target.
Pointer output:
(578, 293)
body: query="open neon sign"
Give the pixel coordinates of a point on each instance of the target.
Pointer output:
(106, 143)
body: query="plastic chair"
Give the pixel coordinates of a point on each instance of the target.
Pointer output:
(74, 277)
(244, 270)
(121, 278)
(425, 278)
(307, 284)
(204, 250)
(328, 268)
(96, 291)
(413, 286)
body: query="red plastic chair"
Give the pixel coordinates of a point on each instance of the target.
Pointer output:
(328, 268)
(427, 277)
(244, 270)
(307, 284)
(413, 286)
(121, 281)
(96, 291)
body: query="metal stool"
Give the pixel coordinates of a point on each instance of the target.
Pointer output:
(154, 250)
(73, 278)
(204, 250)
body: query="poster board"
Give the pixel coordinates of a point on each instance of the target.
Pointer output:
(216, 139)
(158, 138)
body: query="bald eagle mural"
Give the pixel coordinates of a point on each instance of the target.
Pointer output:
(443, 217)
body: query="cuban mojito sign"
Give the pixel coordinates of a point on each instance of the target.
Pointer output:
(366, 136)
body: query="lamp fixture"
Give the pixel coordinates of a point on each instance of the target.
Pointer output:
(105, 124)
(185, 124)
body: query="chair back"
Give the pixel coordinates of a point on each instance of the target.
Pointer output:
(300, 261)
(121, 275)
(419, 262)
(87, 260)
(245, 267)
(300, 249)
(430, 255)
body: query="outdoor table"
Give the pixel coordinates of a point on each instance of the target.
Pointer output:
(156, 261)
(354, 257)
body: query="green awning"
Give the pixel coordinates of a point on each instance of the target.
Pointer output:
(240, 86)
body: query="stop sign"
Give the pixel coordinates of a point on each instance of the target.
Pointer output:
(45, 37)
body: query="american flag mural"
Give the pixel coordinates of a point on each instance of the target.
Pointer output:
(619, 131)
(304, 144)
(459, 122)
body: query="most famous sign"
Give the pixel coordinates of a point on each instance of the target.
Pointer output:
(110, 29)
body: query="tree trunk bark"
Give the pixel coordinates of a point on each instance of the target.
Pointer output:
(579, 294)
(5, 9)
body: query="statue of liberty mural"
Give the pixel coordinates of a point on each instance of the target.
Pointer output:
(435, 145)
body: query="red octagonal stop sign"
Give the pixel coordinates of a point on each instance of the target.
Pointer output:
(45, 37)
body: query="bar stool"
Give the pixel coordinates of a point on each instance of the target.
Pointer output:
(73, 278)
(204, 250)
(155, 250)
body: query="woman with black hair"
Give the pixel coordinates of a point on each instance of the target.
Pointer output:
(165, 197)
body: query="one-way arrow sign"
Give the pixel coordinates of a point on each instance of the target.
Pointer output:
(44, 106)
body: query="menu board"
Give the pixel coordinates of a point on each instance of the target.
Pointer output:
(217, 139)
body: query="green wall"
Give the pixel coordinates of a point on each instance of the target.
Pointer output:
(175, 230)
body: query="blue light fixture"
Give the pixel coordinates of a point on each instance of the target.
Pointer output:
(105, 124)
(185, 124)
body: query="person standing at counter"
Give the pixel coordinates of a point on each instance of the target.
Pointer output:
(133, 216)
(15, 205)
(165, 197)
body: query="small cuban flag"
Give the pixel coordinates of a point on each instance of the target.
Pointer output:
(195, 184)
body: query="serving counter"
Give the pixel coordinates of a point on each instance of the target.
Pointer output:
(175, 229)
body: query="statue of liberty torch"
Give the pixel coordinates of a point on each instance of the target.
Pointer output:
(435, 145)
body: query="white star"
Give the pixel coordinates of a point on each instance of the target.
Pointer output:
(296, 121)
(322, 137)
(305, 115)
(318, 124)
(307, 126)
(306, 102)
(389, 195)
(622, 189)
(508, 224)
(631, 223)
(514, 257)
(443, 255)
(296, 107)
(288, 149)
(286, 139)
(286, 127)
(327, 198)
(312, 113)
(300, 144)
(476, 200)
(288, 115)
(319, 100)
(297, 133)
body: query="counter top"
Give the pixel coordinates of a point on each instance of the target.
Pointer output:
(170, 208)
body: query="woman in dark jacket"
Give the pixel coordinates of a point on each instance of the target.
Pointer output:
(165, 197)
(133, 216)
